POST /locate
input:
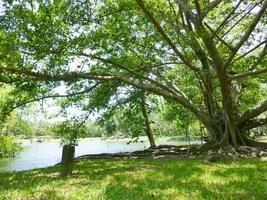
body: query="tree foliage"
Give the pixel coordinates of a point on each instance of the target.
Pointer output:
(207, 56)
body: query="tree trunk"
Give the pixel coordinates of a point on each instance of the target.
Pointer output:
(67, 159)
(230, 129)
(147, 121)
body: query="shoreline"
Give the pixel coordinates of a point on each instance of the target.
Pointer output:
(128, 139)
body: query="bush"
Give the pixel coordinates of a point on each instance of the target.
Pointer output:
(9, 146)
(68, 131)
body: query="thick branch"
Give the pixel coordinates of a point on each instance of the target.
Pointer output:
(189, 14)
(254, 124)
(63, 77)
(254, 112)
(251, 73)
(76, 76)
(197, 4)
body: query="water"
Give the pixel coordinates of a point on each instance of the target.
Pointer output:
(38, 155)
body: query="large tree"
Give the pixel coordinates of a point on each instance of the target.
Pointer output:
(207, 56)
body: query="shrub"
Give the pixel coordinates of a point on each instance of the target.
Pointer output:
(9, 146)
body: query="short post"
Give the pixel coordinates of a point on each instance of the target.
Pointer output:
(67, 159)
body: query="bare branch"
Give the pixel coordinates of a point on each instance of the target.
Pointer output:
(50, 97)
(219, 38)
(251, 73)
(247, 33)
(211, 6)
(253, 49)
(164, 35)
(238, 21)
(228, 17)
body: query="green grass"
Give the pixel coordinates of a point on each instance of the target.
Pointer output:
(168, 179)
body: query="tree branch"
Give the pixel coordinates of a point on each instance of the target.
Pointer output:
(210, 7)
(227, 17)
(63, 77)
(253, 49)
(51, 97)
(132, 72)
(199, 13)
(254, 124)
(247, 34)
(258, 60)
(250, 73)
(189, 14)
(219, 38)
(164, 35)
(238, 21)
(254, 112)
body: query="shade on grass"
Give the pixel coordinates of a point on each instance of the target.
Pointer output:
(142, 180)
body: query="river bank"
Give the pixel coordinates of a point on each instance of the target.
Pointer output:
(112, 138)
(48, 152)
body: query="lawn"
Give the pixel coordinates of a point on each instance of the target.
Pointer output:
(142, 179)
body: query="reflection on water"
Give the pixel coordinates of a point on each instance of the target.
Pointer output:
(37, 155)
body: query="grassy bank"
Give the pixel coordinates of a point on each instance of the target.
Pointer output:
(142, 180)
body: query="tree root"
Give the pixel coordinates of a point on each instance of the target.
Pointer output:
(207, 152)
(254, 143)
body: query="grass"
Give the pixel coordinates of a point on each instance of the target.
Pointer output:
(149, 179)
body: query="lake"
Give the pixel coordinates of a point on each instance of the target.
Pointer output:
(38, 155)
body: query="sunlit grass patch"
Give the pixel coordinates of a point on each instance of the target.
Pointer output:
(141, 179)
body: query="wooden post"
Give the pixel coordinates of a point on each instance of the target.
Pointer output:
(67, 159)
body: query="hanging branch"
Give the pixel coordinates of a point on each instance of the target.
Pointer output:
(51, 97)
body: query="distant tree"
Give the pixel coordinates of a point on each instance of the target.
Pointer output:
(92, 129)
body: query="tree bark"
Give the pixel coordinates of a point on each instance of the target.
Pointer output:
(67, 159)
(149, 132)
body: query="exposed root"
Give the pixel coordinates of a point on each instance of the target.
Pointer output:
(254, 143)
(206, 152)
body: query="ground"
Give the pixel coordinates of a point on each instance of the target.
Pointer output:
(142, 179)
